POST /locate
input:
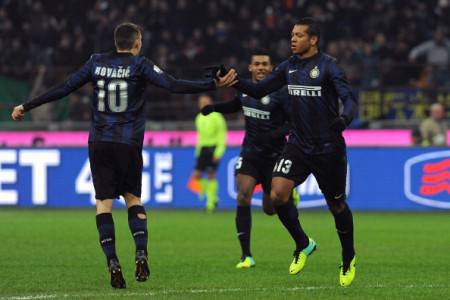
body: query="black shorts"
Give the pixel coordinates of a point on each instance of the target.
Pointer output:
(260, 169)
(205, 160)
(330, 170)
(116, 169)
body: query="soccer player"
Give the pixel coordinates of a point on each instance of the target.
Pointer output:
(116, 135)
(266, 127)
(211, 145)
(315, 145)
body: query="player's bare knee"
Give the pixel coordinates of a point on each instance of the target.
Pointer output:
(244, 198)
(278, 198)
(132, 200)
(104, 206)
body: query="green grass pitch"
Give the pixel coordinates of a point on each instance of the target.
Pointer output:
(54, 254)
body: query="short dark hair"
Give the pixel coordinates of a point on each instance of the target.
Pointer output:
(125, 35)
(313, 26)
(259, 51)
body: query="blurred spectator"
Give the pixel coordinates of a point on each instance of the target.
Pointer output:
(79, 109)
(371, 39)
(434, 129)
(437, 55)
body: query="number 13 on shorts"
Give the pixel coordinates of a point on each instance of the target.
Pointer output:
(283, 165)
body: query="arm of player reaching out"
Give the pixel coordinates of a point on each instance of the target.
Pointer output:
(273, 82)
(161, 79)
(72, 83)
(228, 107)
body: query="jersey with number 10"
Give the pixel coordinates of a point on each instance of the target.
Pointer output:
(119, 81)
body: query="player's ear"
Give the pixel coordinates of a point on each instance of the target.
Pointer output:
(314, 40)
(250, 68)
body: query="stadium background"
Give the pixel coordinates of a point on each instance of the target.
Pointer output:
(43, 41)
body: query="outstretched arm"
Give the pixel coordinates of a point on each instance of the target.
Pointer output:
(75, 81)
(273, 82)
(228, 107)
(161, 79)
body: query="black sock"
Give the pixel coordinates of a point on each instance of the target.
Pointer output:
(138, 227)
(344, 228)
(105, 226)
(288, 215)
(243, 228)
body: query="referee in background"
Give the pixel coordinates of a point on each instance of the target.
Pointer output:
(211, 145)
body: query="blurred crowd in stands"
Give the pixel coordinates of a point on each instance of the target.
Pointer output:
(384, 43)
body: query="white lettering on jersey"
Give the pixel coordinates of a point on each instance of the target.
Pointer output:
(256, 113)
(304, 90)
(119, 72)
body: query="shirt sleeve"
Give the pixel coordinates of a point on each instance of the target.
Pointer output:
(344, 92)
(228, 107)
(273, 82)
(221, 136)
(72, 83)
(158, 77)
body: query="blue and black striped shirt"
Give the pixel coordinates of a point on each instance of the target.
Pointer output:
(119, 80)
(315, 85)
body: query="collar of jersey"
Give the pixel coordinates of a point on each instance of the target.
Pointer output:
(122, 53)
(308, 58)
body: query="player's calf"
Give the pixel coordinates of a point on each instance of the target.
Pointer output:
(267, 205)
(137, 221)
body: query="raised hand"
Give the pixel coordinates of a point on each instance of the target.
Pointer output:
(18, 113)
(227, 80)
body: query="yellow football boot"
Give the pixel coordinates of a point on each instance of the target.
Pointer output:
(301, 256)
(346, 277)
(246, 263)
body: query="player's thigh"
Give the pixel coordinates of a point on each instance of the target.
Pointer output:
(330, 171)
(103, 170)
(267, 205)
(265, 169)
(130, 169)
(245, 186)
(290, 170)
(281, 190)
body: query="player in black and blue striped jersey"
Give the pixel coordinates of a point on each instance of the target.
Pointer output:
(266, 127)
(315, 146)
(117, 131)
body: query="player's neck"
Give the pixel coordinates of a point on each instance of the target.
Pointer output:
(311, 52)
(131, 51)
